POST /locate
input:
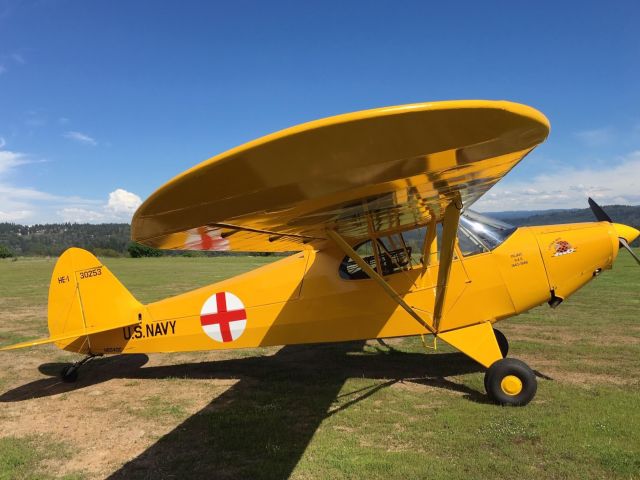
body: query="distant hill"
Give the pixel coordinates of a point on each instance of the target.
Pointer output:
(508, 215)
(112, 239)
(629, 215)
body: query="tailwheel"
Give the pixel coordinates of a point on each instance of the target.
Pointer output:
(69, 374)
(510, 382)
(503, 343)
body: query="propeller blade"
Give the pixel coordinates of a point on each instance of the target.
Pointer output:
(624, 243)
(599, 213)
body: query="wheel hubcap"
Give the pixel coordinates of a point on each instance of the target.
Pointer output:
(511, 385)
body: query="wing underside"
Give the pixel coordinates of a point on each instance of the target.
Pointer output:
(382, 169)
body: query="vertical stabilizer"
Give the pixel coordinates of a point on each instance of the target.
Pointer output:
(85, 296)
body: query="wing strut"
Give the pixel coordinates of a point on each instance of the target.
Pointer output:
(449, 234)
(346, 248)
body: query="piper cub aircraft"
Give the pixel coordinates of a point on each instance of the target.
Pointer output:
(374, 208)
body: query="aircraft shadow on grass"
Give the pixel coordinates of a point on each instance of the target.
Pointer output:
(261, 426)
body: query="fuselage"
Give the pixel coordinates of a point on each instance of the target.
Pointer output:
(306, 298)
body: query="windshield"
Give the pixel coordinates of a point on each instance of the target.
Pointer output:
(488, 231)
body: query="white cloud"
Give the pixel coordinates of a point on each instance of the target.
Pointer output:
(25, 203)
(596, 137)
(80, 215)
(10, 160)
(12, 204)
(119, 208)
(569, 188)
(26, 194)
(122, 202)
(15, 216)
(29, 205)
(3, 142)
(14, 58)
(18, 58)
(80, 138)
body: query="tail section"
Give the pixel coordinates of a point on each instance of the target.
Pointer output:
(85, 298)
(85, 295)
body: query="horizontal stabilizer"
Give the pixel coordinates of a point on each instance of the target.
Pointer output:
(66, 336)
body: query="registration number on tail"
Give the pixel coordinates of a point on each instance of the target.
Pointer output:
(93, 272)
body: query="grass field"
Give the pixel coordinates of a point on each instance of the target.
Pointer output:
(355, 410)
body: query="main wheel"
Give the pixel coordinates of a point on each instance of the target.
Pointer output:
(510, 382)
(503, 343)
(69, 374)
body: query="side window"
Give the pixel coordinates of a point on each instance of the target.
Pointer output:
(414, 239)
(403, 251)
(468, 244)
(350, 270)
(397, 252)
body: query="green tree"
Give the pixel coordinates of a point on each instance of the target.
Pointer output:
(5, 252)
(136, 251)
(106, 252)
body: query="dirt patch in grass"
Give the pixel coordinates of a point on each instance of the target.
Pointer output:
(559, 371)
(424, 386)
(589, 379)
(18, 313)
(608, 333)
(108, 422)
(542, 333)
(619, 340)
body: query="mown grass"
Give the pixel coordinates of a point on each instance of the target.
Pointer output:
(352, 411)
(20, 458)
(158, 406)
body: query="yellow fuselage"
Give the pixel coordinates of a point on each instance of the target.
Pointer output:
(303, 299)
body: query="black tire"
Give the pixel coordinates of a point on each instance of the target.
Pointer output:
(503, 343)
(505, 370)
(69, 374)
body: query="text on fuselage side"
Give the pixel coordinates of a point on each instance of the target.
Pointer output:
(517, 259)
(159, 329)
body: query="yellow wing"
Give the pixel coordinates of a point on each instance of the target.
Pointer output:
(398, 166)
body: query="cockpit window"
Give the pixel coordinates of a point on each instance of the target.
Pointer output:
(397, 252)
(403, 251)
(483, 230)
(469, 244)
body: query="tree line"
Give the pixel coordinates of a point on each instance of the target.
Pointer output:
(103, 240)
(108, 239)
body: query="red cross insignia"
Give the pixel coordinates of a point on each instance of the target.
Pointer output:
(223, 317)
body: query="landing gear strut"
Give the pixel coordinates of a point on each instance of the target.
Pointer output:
(69, 373)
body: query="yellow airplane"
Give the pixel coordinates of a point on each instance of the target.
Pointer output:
(374, 206)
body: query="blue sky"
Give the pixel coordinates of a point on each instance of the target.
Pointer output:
(102, 102)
